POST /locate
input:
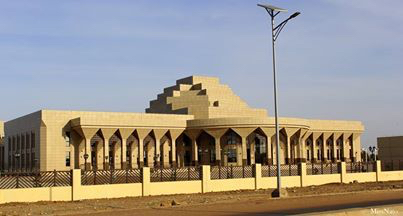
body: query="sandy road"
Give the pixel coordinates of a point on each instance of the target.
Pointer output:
(268, 206)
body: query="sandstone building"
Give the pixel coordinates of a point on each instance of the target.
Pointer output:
(197, 121)
(390, 152)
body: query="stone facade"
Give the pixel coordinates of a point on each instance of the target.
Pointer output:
(2, 165)
(197, 121)
(390, 151)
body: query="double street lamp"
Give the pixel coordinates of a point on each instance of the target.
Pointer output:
(273, 12)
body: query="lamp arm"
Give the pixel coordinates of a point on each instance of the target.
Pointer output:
(279, 28)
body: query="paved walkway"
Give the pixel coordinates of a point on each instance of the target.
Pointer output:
(356, 203)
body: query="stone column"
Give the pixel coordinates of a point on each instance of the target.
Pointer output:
(244, 151)
(159, 133)
(87, 134)
(100, 155)
(134, 154)
(252, 151)
(141, 134)
(244, 133)
(269, 153)
(269, 132)
(125, 133)
(217, 134)
(325, 138)
(194, 152)
(174, 133)
(315, 137)
(107, 134)
(106, 156)
(302, 145)
(336, 137)
(123, 154)
(346, 151)
(357, 146)
(193, 135)
(289, 132)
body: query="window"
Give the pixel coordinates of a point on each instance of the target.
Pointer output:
(67, 139)
(23, 161)
(9, 144)
(319, 156)
(232, 156)
(22, 142)
(308, 157)
(33, 162)
(338, 154)
(18, 143)
(67, 159)
(32, 140)
(27, 144)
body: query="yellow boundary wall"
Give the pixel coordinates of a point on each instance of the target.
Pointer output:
(147, 188)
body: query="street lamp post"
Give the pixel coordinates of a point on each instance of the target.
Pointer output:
(275, 30)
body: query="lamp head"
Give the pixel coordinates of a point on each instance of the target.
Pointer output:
(294, 15)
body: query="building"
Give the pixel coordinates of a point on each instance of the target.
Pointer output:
(390, 152)
(2, 165)
(197, 121)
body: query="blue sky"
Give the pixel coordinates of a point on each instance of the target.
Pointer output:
(338, 60)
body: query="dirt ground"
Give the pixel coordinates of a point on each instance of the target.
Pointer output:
(193, 201)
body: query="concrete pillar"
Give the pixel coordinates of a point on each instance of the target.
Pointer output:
(123, 154)
(252, 151)
(346, 152)
(193, 135)
(289, 132)
(302, 171)
(159, 133)
(125, 133)
(194, 152)
(157, 152)
(343, 172)
(205, 178)
(268, 159)
(288, 151)
(107, 134)
(88, 153)
(174, 134)
(269, 132)
(146, 181)
(100, 154)
(334, 149)
(217, 134)
(357, 146)
(141, 134)
(378, 170)
(302, 144)
(244, 133)
(117, 151)
(258, 176)
(218, 151)
(244, 151)
(134, 154)
(326, 136)
(86, 134)
(106, 154)
(315, 137)
(336, 137)
(76, 184)
(173, 153)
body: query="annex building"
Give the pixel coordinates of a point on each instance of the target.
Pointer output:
(198, 121)
(390, 152)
